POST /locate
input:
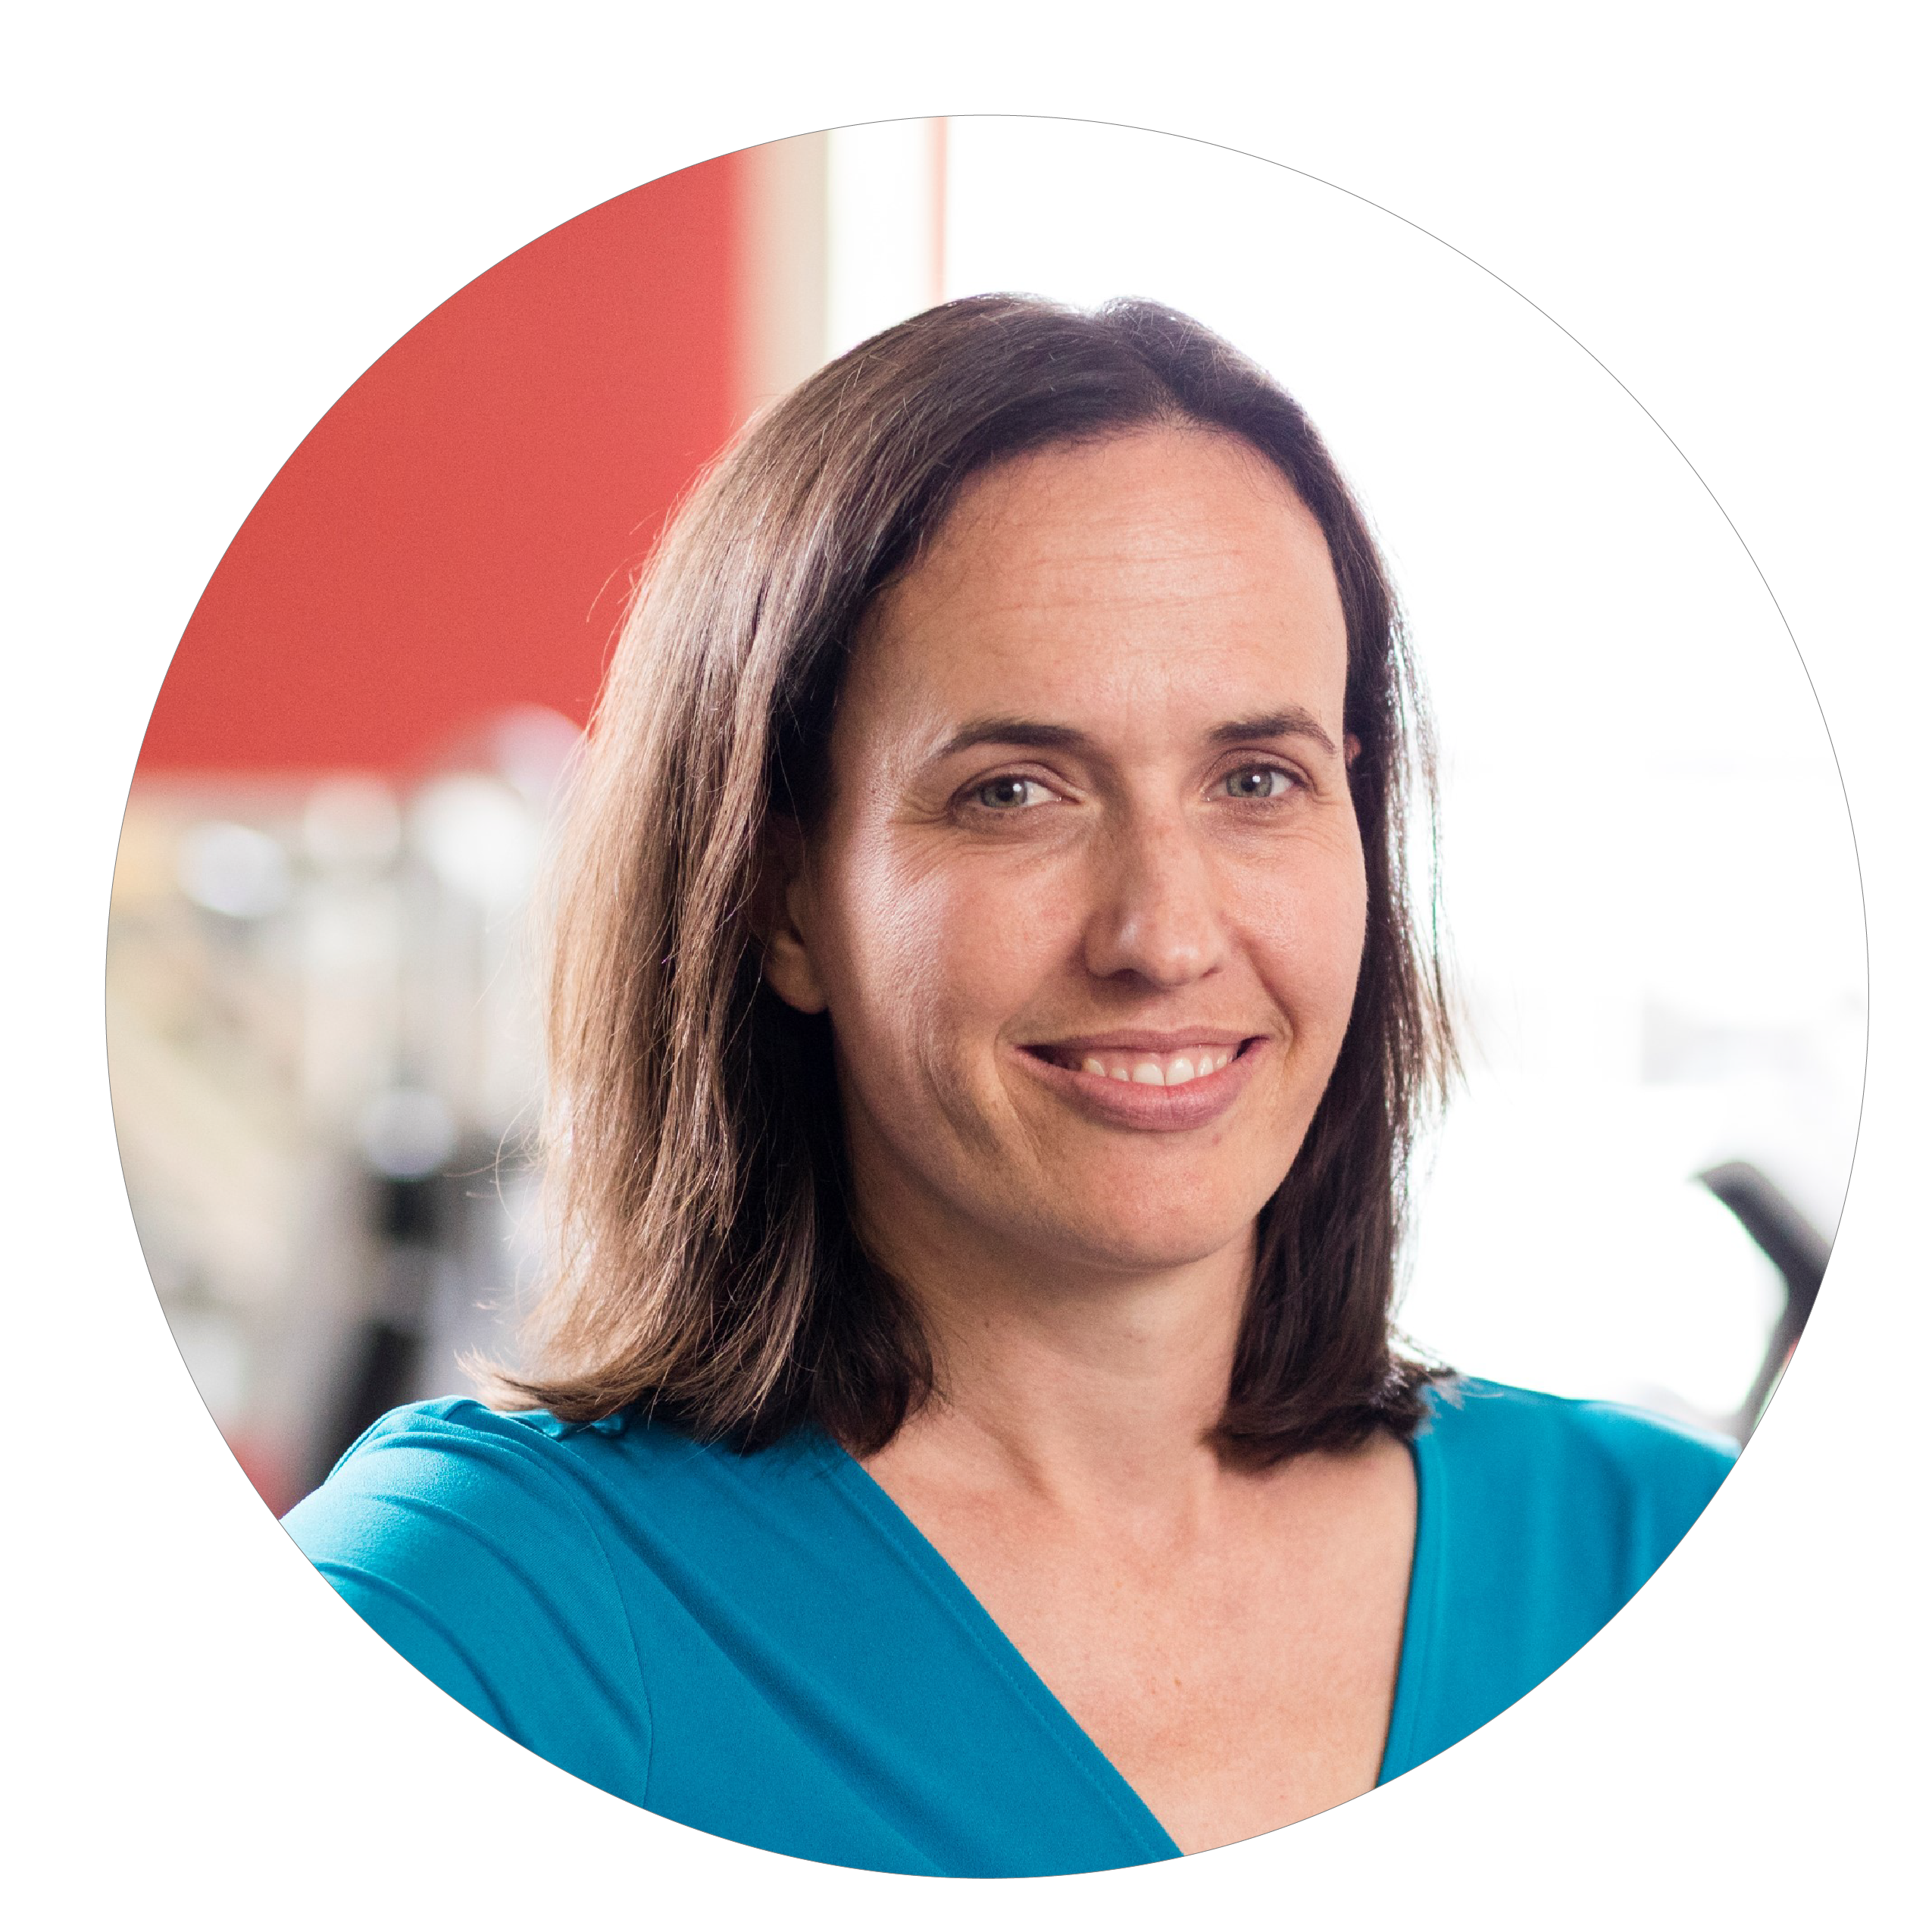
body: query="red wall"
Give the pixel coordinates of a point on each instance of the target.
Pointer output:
(458, 533)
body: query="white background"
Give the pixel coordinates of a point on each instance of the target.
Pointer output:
(1644, 830)
(220, 216)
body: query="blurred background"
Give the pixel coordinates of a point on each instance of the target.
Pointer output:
(322, 1019)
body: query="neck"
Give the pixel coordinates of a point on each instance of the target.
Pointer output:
(1089, 1385)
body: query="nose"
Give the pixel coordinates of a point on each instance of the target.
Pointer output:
(1156, 915)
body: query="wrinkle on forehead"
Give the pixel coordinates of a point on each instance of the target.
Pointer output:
(1133, 541)
(1135, 514)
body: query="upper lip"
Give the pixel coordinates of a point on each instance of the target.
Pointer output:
(1143, 1040)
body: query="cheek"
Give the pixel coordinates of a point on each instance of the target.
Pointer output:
(932, 961)
(1309, 943)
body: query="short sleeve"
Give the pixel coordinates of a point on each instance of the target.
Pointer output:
(459, 1536)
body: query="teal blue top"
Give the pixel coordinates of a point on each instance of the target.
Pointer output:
(765, 1648)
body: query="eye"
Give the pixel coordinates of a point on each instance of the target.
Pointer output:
(1258, 781)
(1010, 794)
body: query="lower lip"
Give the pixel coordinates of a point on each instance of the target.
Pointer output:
(1145, 1106)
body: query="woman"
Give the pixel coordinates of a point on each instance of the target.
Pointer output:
(989, 1025)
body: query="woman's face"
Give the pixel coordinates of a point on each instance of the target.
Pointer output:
(1087, 904)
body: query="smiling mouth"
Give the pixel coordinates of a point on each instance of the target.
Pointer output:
(1137, 1067)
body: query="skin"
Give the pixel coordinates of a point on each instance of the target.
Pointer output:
(1090, 807)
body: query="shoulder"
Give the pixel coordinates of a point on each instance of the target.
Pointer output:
(425, 1478)
(1539, 1517)
(428, 1476)
(453, 1529)
(493, 1551)
(1572, 1502)
(1490, 1434)
(455, 1447)
(1474, 1411)
(440, 1497)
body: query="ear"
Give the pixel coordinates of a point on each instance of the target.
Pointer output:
(1351, 749)
(780, 916)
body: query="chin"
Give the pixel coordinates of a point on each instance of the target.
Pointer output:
(1145, 1238)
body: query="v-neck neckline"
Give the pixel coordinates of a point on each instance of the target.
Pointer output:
(1086, 1758)
(1110, 1782)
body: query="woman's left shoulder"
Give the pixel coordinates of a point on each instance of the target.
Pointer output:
(1539, 1517)
(1559, 1448)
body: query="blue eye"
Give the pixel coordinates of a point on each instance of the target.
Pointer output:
(1007, 794)
(1257, 781)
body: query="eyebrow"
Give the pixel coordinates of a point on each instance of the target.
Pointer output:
(1292, 722)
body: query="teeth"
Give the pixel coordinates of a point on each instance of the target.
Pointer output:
(1147, 1070)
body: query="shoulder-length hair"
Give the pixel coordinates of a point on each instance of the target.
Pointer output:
(709, 1272)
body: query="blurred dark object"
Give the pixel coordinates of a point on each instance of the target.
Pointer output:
(387, 1347)
(1795, 1248)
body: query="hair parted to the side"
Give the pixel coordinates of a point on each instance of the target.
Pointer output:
(708, 1271)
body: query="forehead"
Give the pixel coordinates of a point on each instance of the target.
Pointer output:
(1173, 567)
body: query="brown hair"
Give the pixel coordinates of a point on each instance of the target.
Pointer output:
(709, 1271)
